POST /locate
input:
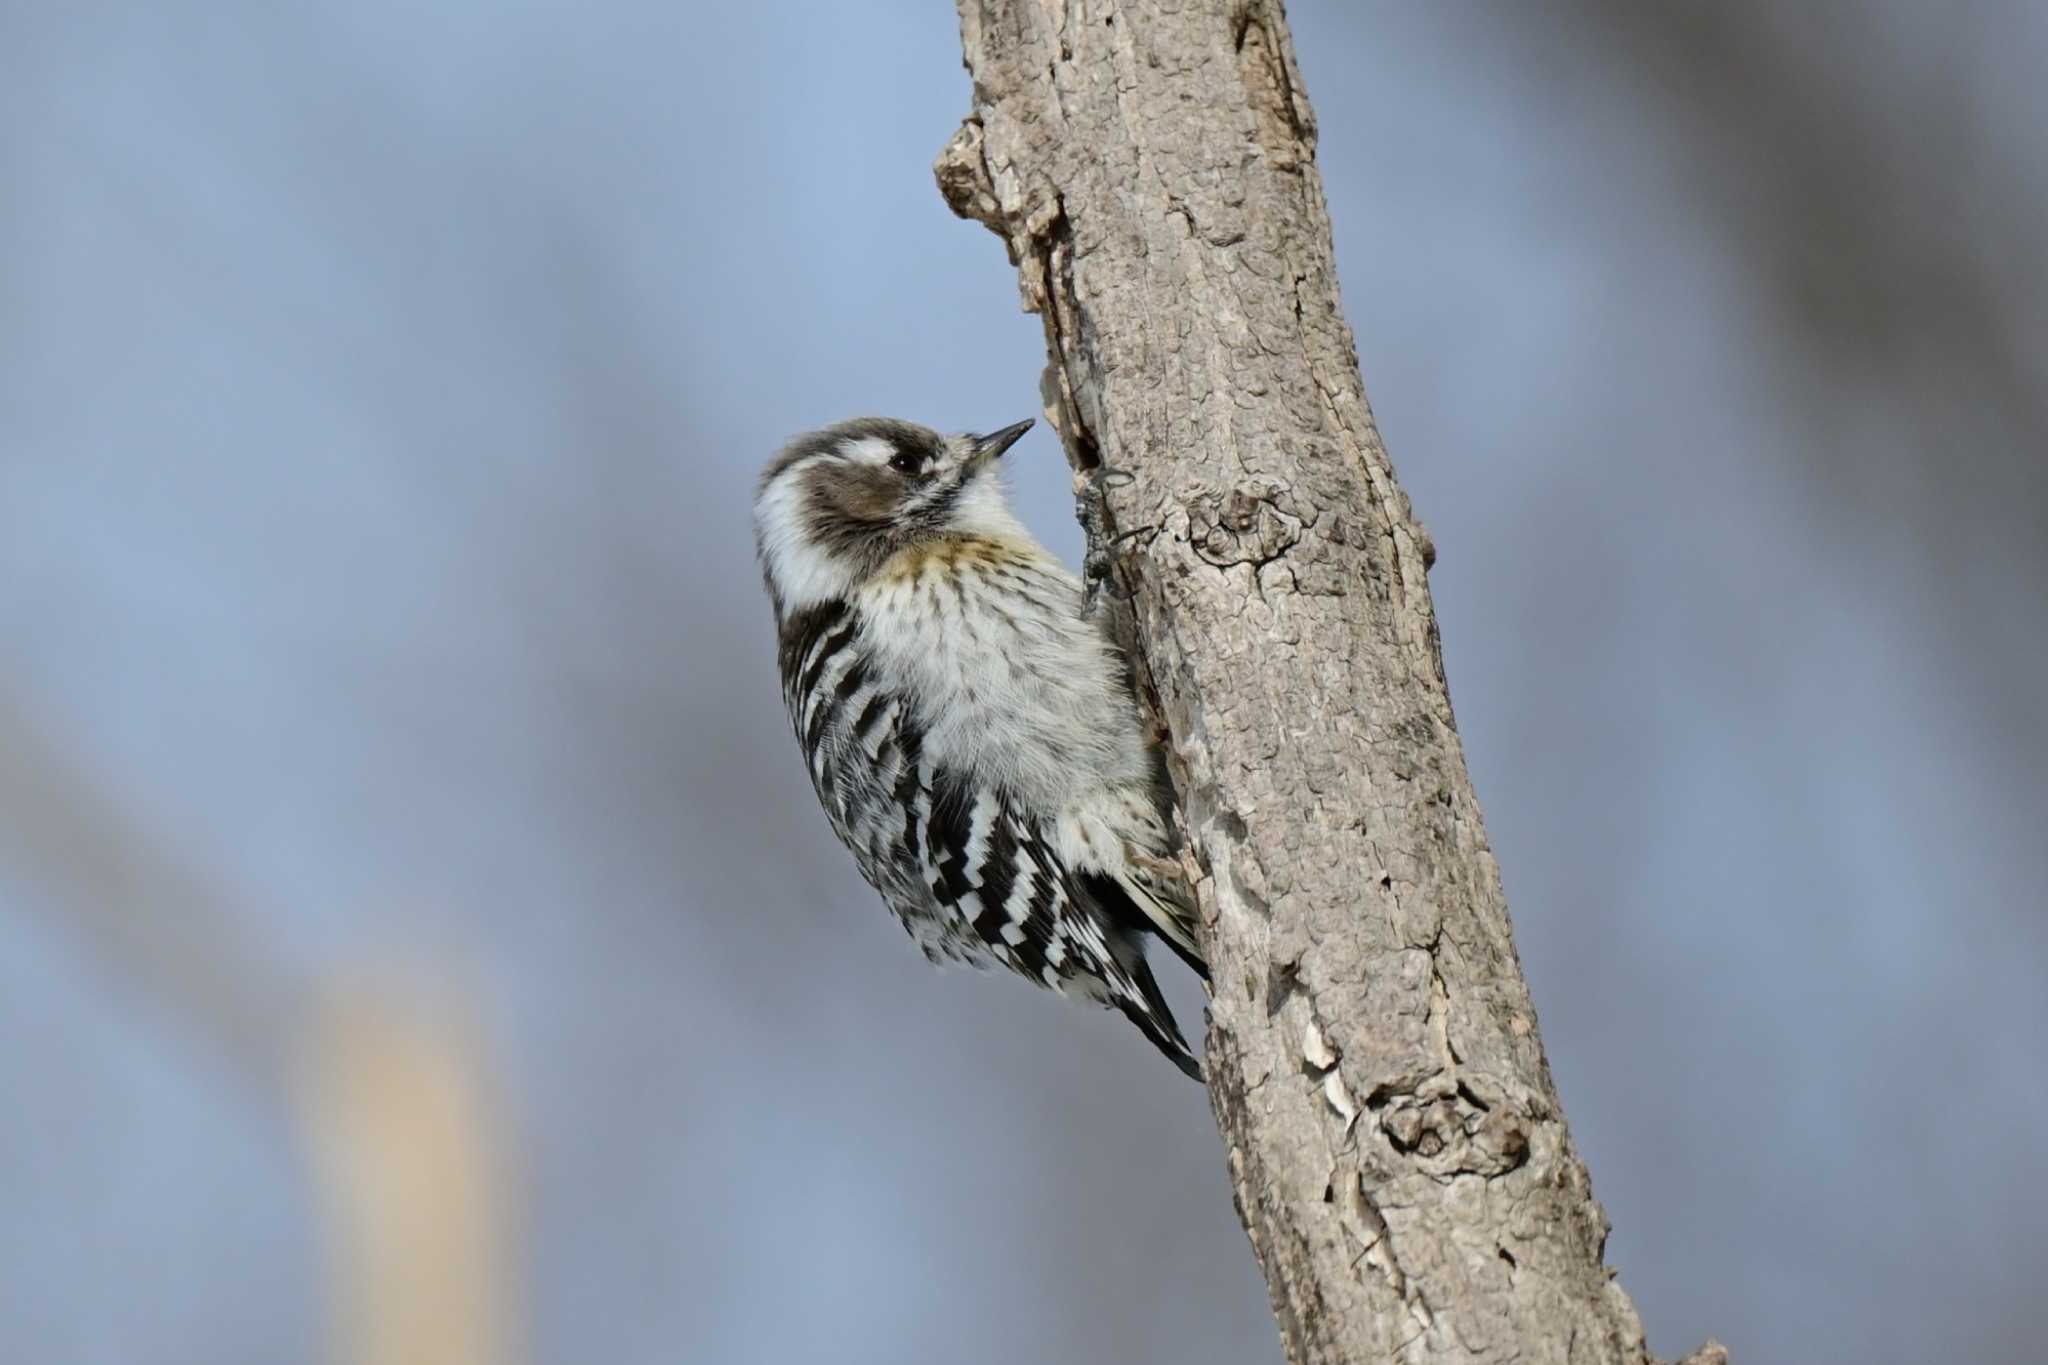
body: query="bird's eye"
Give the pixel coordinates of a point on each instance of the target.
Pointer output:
(906, 462)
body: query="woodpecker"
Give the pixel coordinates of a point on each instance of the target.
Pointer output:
(973, 738)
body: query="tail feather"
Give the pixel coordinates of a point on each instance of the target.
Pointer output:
(1138, 997)
(1130, 901)
(1172, 922)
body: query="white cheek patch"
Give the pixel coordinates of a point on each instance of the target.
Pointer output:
(802, 573)
(868, 450)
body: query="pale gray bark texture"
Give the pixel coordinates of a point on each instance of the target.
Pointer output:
(1400, 1158)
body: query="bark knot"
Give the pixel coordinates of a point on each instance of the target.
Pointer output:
(1251, 524)
(1455, 1134)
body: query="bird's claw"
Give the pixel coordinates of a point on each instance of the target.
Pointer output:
(1092, 510)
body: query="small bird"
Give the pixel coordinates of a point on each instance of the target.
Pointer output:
(974, 738)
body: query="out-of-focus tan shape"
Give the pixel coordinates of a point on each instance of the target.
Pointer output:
(391, 1091)
(400, 1128)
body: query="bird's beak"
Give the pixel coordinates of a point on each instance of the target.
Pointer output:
(987, 447)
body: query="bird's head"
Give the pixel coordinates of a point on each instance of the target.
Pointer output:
(833, 505)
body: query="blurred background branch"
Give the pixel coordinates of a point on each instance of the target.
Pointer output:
(387, 1089)
(149, 920)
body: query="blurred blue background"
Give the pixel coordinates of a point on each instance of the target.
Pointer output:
(381, 387)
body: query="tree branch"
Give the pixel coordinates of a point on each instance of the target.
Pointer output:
(1400, 1158)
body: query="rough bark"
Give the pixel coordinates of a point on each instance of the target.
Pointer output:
(1400, 1158)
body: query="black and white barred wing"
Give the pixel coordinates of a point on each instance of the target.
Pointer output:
(997, 881)
(970, 874)
(863, 750)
